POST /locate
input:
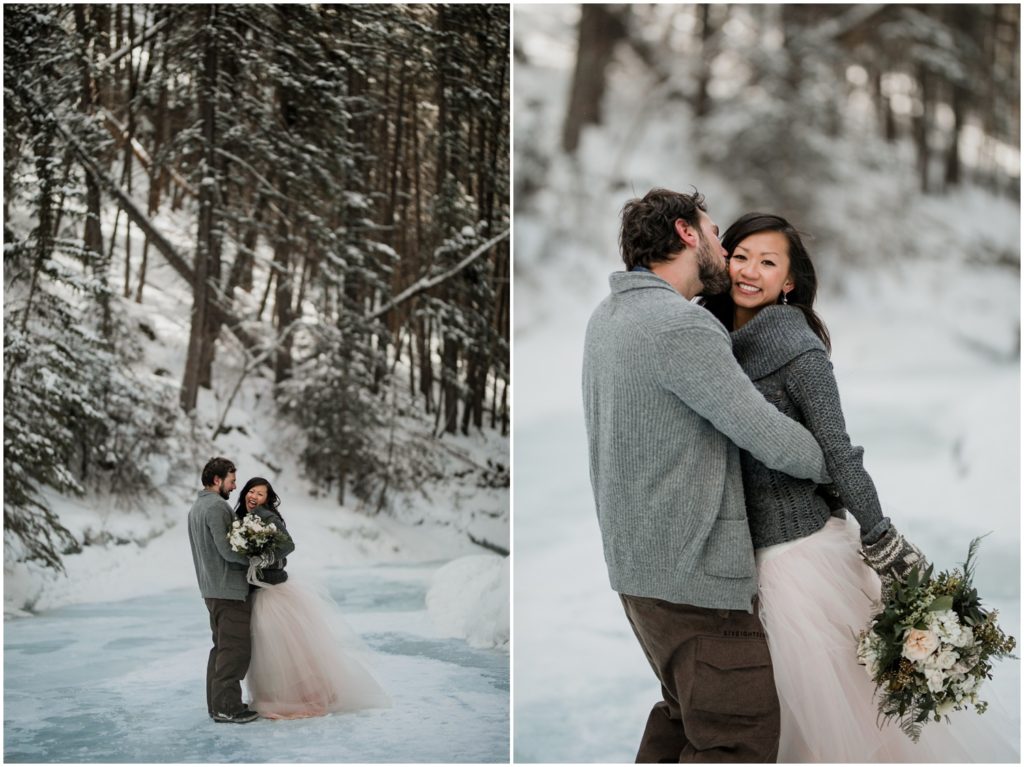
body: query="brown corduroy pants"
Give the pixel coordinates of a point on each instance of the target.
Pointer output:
(229, 656)
(719, 701)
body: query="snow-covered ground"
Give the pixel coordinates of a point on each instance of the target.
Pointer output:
(107, 662)
(926, 354)
(125, 682)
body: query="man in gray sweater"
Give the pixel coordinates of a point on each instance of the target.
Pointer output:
(667, 410)
(221, 574)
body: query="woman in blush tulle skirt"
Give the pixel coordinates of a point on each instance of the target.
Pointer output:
(820, 576)
(300, 666)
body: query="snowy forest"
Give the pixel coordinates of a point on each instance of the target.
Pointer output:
(221, 216)
(890, 136)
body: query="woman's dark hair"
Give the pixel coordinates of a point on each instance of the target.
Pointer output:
(216, 467)
(272, 502)
(801, 270)
(648, 232)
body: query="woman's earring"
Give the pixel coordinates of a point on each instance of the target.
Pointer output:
(785, 297)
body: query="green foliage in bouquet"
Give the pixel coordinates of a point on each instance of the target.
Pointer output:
(931, 647)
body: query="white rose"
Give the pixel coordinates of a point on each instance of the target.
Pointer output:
(919, 644)
(936, 679)
(946, 658)
(965, 638)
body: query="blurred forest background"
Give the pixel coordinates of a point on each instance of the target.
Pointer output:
(889, 135)
(200, 199)
(789, 100)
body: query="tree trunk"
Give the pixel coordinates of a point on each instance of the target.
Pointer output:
(953, 154)
(283, 300)
(133, 77)
(93, 235)
(450, 383)
(600, 28)
(205, 245)
(922, 126)
(702, 101)
(426, 363)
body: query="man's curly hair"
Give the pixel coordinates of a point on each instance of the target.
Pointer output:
(648, 233)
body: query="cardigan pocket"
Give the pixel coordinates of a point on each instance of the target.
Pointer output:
(729, 552)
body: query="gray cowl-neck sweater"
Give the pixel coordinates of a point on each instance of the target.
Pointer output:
(666, 406)
(789, 365)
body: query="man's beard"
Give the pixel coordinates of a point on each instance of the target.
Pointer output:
(711, 270)
(225, 494)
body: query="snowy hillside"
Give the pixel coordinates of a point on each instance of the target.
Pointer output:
(925, 325)
(139, 547)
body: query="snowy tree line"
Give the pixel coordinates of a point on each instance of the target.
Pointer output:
(343, 172)
(784, 97)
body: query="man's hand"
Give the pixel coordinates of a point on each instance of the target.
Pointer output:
(892, 556)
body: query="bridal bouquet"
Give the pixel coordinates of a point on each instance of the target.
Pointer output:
(254, 537)
(931, 647)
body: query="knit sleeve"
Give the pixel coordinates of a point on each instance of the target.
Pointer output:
(284, 549)
(812, 385)
(698, 366)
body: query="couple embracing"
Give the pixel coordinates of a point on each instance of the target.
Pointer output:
(722, 473)
(267, 630)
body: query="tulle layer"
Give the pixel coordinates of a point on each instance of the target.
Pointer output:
(299, 667)
(816, 595)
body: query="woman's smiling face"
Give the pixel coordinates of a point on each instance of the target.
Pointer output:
(759, 269)
(256, 496)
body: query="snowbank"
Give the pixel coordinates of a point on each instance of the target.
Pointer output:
(469, 598)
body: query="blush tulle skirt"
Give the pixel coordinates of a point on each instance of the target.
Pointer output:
(301, 665)
(815, 596)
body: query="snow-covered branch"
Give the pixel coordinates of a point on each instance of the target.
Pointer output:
(124, 50)
(426, 283)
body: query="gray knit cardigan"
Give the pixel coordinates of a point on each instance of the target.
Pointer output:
(666, 406)
(219, 570)
(789, 365)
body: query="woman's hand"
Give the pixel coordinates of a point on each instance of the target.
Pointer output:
(892, 556)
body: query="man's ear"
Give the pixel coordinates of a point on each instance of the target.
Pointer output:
(687, 233)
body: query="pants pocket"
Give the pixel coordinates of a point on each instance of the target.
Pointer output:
(733, 676)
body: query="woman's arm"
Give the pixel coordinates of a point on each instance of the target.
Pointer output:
(269, 515)
(696, 364)
(811, 384)
(286, 548)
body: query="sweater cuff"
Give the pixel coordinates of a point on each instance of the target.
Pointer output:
(875, 534)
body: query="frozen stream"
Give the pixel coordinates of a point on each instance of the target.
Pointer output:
(124, 682)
